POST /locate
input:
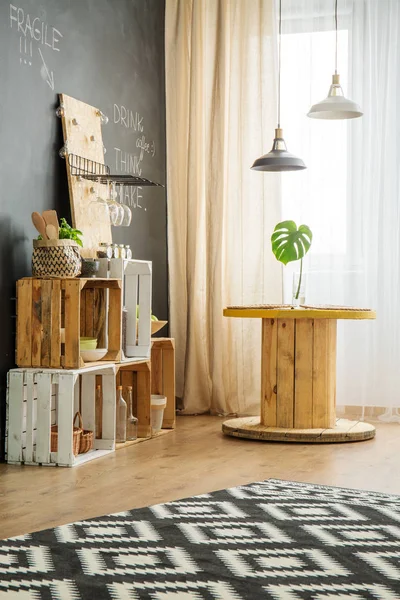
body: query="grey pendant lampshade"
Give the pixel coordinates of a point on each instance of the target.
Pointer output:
(278, 159)
(335, 105)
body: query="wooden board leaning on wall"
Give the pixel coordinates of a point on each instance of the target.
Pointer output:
(81, 125)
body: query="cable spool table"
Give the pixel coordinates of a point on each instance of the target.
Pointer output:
(298, 376)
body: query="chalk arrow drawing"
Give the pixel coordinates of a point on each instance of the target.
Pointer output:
(49, 77)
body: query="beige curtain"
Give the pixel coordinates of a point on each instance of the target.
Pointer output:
(221, 113)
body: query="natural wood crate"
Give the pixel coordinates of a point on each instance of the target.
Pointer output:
(79, 307)
(298, 381)
(138, 375)
(39, 398)
(163, 376)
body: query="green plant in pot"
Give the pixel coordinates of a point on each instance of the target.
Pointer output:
(66, 232)
(69, 233)
(58, 256)
(289, 244)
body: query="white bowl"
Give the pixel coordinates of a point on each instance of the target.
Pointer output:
(93, 355)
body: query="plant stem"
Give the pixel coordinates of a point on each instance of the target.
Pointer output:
(301, 274)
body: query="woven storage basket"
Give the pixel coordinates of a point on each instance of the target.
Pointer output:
(56, 258)
(86, 439)
(76, 440)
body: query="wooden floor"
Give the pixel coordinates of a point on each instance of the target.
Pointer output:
(193, 459)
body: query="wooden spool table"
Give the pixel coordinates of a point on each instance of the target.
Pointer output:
(298, 376)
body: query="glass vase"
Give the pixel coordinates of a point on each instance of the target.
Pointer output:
(120, 429)
(299, 293)
(132, 422)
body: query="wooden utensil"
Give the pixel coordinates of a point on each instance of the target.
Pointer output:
(51, 232)
(50, 218)
(40, 224)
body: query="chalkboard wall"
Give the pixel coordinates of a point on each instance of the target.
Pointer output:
(107, 53)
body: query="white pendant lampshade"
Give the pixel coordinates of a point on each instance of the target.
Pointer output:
(335, 105)
(278, 159)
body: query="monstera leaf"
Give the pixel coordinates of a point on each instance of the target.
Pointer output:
(290, 243)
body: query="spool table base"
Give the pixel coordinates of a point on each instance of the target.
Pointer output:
(344, 431)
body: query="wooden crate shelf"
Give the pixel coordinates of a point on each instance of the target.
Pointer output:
(40, 398)
(52, 382)
(138, 375)
(163, 376)
(30, 388)
(135, 276)
(47, 309)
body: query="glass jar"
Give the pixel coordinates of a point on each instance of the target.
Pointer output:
(120, 426)
(115, 251)
(105, 251)
(128, 252)
(122, 252)
(132, 422)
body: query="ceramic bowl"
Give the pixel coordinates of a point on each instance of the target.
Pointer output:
(87, 343)
(157, 325)
(93, 355)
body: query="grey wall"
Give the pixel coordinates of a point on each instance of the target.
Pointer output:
(108, 53)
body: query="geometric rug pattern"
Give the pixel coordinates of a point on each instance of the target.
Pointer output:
(270, 540)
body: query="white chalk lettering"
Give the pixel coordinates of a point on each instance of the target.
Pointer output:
(127, 118)
(34, 28)
(20, 15)
(13, 10)
(129, 162)
(132, 196)
(125, 162)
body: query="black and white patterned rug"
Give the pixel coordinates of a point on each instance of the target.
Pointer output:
(275, 539)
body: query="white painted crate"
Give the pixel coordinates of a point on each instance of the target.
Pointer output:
(39, 398)
(136, 291)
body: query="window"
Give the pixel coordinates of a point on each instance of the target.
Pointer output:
(318, 195)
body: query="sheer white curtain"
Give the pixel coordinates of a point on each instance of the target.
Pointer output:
(221, 113)
(350, 193)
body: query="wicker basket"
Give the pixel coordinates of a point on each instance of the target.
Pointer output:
(76, 441)
(56, 258)
(86, 438)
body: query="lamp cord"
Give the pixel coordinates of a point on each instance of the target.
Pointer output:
(279, 63)
(336, 28)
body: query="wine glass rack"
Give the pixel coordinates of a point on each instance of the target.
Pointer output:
(99, 172)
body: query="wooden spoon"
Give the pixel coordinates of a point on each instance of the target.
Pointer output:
(39, 223)
(50, 218)
(51, 232)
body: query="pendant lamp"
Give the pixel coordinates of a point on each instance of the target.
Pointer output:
(279, 159)
(335, 106)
